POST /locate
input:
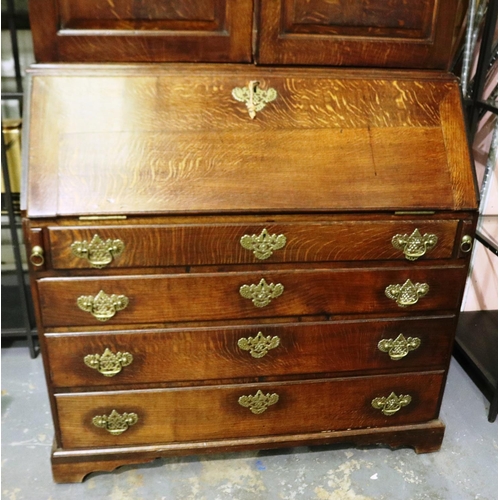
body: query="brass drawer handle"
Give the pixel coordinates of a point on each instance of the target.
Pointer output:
(108, 363)
(264, 244)
(400, 347)
(261, 294)
(466, 244)
(406, 294)
(259, 403)
(391, 404)
(254, 97)
(98, 252)
(259, 345)
(415, 245)
(115, 423)
(102, 306)
(37, 256)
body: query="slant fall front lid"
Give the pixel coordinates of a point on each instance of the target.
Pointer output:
(168, 139)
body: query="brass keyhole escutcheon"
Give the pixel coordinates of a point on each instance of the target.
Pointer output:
(254, 97)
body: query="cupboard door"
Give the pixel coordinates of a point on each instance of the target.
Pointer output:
(382, 33)
(141, 30)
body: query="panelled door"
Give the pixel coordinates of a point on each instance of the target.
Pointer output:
(376, 33)
(380, 33)
(142, 30)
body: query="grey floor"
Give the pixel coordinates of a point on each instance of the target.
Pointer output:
(465, 468)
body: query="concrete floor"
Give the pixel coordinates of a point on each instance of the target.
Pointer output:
(465, 468)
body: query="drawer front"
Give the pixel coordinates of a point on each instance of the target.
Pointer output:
(201, 354)
(186, 297)
(176, 415)
(199, 244)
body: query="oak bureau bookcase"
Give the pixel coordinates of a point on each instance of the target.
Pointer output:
(249, 223)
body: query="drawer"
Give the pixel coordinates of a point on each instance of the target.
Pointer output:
(203, 413)
(199, 244)
(198, 297)
(204, 354)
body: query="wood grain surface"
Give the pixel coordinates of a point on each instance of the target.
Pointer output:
(398, 34)
(339, 161)
(174, 140)
(206, 244)
(205, 354)
(98, 30)
(211, 296)
(70, 466)
(173, 415)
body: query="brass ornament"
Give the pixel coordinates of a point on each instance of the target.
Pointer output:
(115, 423)
(264, 244)
(391, 404)
(259, 403)
(259, 345)
(406, 294)
(108, 363)
(415, 245)
(261, 294)
(102, 306)
(254, 97)
(99, 253)
(398, 348)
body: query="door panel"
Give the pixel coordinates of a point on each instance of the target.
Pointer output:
(395, 33)
(142, 30)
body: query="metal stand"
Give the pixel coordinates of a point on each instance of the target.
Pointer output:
(477, 334)
(25, 308)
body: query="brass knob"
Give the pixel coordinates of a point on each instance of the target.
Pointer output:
(415, 245)
(391, 404)
(115, 423)
(259, 403)
(259, 345)
(264, 244)
(398, 348)
(466, 244)
(37, 256)
(102, 306)
(406, 294)
(108, 363)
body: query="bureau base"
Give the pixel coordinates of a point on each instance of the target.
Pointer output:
(71, 466)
